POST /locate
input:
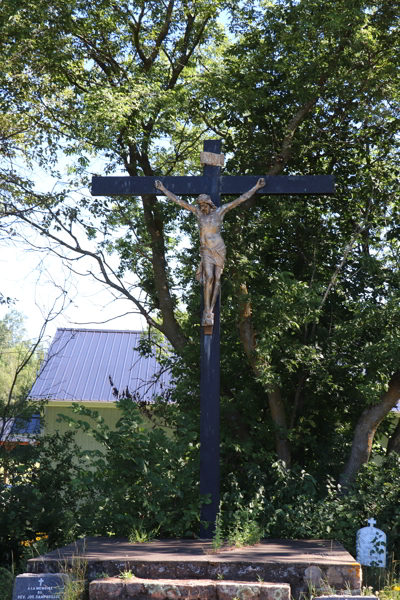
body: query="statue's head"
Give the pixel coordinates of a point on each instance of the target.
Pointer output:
(205, 200)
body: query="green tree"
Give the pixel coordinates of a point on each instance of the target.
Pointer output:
(310, 293)
(19, 363)
(332, 265)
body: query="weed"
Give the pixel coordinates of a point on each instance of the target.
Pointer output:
(33, 549)
(385, 582)
(244, 531)
(127, 575)
(322, 590)
(140, 535)
(102, 576)
(75, 585)
(218, 540)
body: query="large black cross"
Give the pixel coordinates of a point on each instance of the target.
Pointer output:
(215, 185)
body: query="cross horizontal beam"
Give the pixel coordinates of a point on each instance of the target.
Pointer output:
(191, 186)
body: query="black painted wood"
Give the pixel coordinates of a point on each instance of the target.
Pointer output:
(209, 387)
(277, 185)
(191, 186)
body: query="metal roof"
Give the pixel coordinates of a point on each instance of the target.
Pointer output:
(82, 363)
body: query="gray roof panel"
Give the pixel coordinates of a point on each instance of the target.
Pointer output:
(80, 363)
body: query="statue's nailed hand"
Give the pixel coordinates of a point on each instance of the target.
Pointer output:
(261, 182)
(159, 185)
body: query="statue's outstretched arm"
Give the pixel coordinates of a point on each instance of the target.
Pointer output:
(174, 198)
(225, 207)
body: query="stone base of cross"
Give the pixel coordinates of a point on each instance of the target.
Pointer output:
(213, 185)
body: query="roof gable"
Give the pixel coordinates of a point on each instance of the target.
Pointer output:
(82, 362)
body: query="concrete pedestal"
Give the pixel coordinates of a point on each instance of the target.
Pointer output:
(298, 563)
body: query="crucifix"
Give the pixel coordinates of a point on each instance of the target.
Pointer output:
(209, 213)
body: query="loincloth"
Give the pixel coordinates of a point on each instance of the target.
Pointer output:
(215, 256)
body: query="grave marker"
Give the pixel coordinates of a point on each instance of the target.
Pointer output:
(41, 586)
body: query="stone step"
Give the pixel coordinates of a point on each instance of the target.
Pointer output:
(300, 563)
(116, 588)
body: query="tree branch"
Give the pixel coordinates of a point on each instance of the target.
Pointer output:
(365, 430)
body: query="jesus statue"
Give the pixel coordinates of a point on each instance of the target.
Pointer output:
(212, 247)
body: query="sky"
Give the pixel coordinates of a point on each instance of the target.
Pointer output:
(36, 282)
(36, 288)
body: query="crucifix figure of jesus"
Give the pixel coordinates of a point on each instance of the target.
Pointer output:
(212, 247)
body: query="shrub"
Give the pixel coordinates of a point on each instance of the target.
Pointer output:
(39, 500)
(144, 482)
(6, 584)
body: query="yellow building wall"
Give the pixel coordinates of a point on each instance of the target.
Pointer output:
(108, 411)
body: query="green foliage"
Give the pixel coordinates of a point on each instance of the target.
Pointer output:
(297, 508)
(291, 505)
(19, 362)
(293, 90)
(40, 503)
(237, 527)
(6, 583)
(390, 593)
(144, 482)
(244, 531)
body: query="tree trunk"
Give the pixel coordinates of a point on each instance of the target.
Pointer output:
(170, 326)
(366, 428)
(278, 416)
(394, 441)
(247, 335)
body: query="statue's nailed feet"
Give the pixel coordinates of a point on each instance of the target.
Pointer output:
(208, 319)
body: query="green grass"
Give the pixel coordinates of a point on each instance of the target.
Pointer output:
(384, 583)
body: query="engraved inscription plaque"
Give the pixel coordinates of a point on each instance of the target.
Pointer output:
(42, 586)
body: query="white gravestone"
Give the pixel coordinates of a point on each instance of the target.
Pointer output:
(371, 546)
(42, 586)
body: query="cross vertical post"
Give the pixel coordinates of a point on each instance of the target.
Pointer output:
(209, 387)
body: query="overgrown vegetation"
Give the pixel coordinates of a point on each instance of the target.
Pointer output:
(242, 530)
(311, 318)
(76, 583)
(6, 583)
(145, 483)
